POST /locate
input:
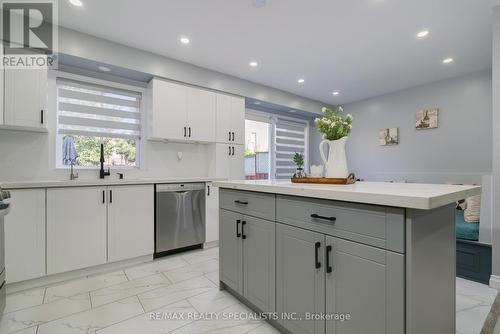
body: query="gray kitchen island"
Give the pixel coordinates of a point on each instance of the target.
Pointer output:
(370, 257)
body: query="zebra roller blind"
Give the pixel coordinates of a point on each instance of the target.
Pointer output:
(290, 137)
(99, 111)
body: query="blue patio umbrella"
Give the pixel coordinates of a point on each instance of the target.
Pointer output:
(69, 151)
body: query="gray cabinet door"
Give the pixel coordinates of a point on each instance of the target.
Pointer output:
(258, 237)
(368, 284)
(300, 278)
(231, 266)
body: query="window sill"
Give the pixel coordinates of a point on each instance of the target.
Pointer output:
(113, 168)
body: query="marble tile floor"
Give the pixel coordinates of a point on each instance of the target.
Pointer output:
(122, 302)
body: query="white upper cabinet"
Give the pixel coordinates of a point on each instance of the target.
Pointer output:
(168, 110)
(25, 98)
(181, 113)
(230, 119)
(238, 120)
(227, 161)
(201, 115)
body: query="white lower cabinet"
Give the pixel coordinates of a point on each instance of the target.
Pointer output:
(76, 228)
(25, 235)
(211, 213)
(130, 222)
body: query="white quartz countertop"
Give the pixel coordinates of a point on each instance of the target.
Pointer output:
(99, 182)
(405, 195)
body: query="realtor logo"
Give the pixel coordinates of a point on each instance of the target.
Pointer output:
(29, 34)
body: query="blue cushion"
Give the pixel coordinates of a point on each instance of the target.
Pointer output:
(467, 231)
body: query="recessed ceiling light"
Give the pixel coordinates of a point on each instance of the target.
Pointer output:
(336, 93)
(253, 64)
(447, 60)
(104, 68)
(291, 110)
(76, 3)
(301, 80)
(256, 102)
(422, 34)
(184, 40)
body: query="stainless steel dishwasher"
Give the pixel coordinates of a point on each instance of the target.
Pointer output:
(180, 217)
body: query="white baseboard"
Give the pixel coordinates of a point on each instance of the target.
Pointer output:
(211, 244)
(71, 275)
(495, 282)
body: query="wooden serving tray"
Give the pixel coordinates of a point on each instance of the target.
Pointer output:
(350, 179)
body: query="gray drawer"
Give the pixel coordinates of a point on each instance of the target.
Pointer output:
(249, 203)
(369, 224)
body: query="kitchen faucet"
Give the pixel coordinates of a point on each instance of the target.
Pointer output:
(102, 172)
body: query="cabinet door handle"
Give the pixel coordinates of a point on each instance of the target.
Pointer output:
(240, 202)
(332, 219)
(229, 147)
(317, 246)
(329, 268)
(233, 135)
(103, 197)
(189, 132)
(229, 138)
(185, 131)
(238, 234)
(41, 116)
(111, 196)
(233, 151)
(243, 235)
(208, 190)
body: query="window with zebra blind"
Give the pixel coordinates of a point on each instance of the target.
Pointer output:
(89, 114)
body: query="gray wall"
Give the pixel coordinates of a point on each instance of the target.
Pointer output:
(496, 147)
(461, 145)
(458, 151)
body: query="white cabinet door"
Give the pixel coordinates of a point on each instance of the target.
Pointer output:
(169, 110)
(238, 120)
(223, 117)
(211, 213)
(25, 98)
(237, 163)
(25, 235)
(222, 161)
(201, 115)
(76, 228)
(130, 222)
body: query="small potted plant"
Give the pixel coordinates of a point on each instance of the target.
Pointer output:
(298, 159)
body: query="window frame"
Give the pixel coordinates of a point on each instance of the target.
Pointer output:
(272, 119)
(56, 157)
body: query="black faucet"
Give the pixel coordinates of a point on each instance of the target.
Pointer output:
(102, 172)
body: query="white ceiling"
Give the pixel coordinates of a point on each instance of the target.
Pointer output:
(361, 48)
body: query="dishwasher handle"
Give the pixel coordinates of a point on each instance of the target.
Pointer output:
(179, 187)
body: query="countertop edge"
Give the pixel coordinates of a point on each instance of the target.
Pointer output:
(400, 201)
(96, 183)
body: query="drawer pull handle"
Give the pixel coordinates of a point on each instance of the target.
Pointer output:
(243, 235)
(329, 268)
(317, 264)
(238, 234)
(332, 219)
(240, 202)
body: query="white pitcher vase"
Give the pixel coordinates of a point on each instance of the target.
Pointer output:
(336, 164)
